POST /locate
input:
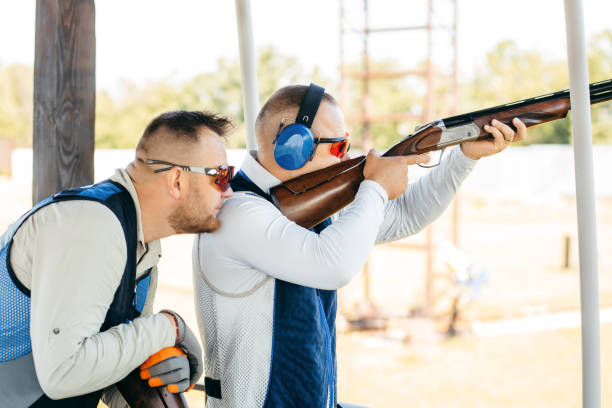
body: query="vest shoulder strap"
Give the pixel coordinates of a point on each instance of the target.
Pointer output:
(116, 198)
(242, 182)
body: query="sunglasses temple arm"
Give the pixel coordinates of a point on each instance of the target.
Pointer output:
(314, 150)
(164, 169)
(280, 126)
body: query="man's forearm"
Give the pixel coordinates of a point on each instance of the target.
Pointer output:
(426, 199)
(102, 359)
(255, 234)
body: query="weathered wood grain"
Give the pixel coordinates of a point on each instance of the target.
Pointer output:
(64, 96)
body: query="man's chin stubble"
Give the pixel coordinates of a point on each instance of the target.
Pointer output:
(185, 225)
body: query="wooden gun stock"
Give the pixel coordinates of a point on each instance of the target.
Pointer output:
(138, 394)
(312, 197)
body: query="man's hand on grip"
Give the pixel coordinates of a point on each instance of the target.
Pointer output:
(391, 172)
(502, 134)
(168, 367)
(187, 342)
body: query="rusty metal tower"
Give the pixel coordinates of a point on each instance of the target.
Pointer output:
(364, 116)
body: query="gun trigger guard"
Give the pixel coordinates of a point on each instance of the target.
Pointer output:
(426, 166)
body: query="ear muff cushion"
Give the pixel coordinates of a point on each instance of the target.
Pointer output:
(294, 146)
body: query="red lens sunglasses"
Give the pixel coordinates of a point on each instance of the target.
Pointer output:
(222, 174)
(339, 145)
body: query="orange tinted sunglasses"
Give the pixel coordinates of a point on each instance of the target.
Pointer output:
(339, 145)
(222, 174)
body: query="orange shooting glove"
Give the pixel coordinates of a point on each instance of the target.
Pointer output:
(168, 367)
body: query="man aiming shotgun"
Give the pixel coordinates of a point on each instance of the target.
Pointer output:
(310, 198)
(266, 287)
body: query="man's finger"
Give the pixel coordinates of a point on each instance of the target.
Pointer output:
(172, 364)
(178, 387)
(499, 141)
(172, 377)
(521, 129)
(162, 355)
(417, 158)
(506, 130)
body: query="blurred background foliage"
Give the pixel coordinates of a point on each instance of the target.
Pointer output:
(509, 74)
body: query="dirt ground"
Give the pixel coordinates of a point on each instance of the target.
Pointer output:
(519, 243)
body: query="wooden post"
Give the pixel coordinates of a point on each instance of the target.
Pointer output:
(64, 96)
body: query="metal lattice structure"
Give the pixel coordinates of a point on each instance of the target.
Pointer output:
(369, 78)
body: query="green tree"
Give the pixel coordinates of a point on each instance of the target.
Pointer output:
(386, 96)
(120, 121)
(512, 74)
(600, 68)
(16, 104)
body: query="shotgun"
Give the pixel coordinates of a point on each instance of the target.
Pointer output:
(138, 394)
(313, 197)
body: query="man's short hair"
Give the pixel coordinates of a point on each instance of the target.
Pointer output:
(184, 125)
(287, 97)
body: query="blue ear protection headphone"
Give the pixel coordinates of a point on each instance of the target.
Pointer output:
(294, 145)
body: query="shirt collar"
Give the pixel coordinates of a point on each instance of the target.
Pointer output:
(122, 177)
(257, 173)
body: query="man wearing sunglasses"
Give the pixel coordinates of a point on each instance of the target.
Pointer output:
(266, 287)
(78, 272)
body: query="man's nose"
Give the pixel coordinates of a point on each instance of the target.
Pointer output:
(228, 193)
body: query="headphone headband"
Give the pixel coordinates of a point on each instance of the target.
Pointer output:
(310, 105)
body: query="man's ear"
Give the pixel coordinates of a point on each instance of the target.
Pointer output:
(175, 183)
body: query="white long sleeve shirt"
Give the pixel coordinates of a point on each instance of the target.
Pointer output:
(255, 240)
(71, 255)
(236, 267)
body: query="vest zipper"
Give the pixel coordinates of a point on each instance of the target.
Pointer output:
(328, 347)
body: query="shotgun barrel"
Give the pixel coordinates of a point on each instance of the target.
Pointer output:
(470, 126)
(599, 91)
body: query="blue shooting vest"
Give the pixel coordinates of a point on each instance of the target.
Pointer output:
(303, 362)
(15, 344)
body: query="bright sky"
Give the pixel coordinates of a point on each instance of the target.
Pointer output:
(154, 39)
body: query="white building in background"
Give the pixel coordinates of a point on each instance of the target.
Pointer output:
(536, 172)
